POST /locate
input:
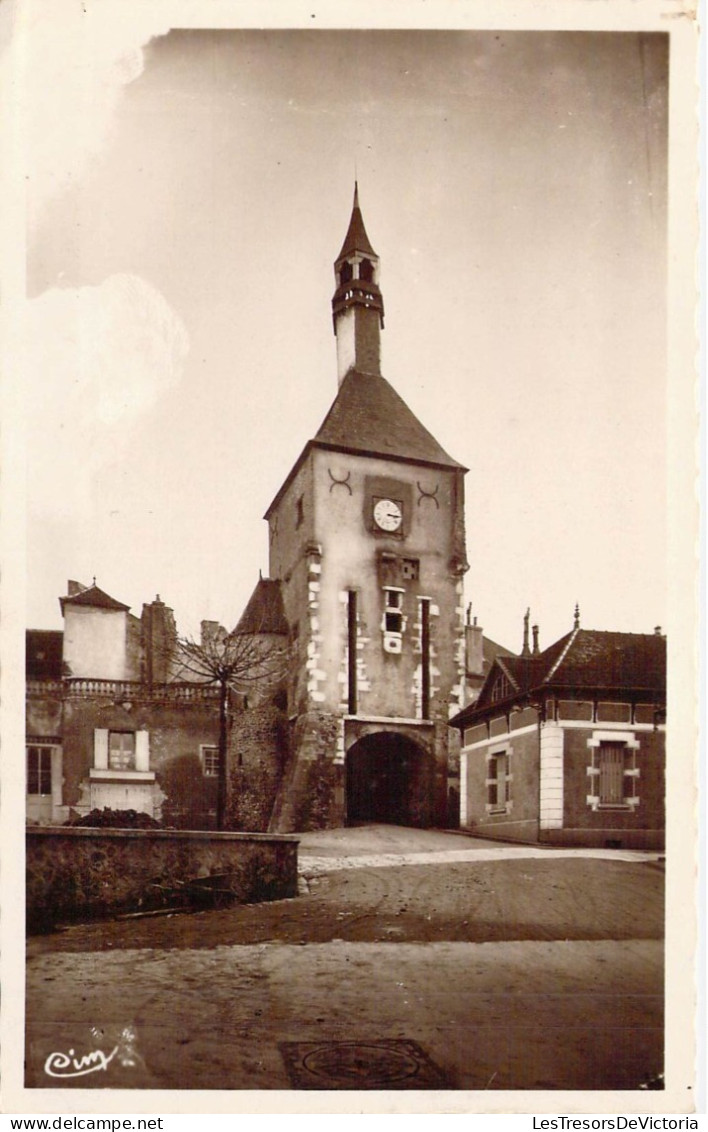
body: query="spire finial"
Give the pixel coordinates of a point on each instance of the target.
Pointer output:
(576, 619)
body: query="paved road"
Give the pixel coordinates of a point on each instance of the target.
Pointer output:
(520, 970)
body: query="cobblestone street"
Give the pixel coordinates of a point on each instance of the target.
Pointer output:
(411, 959)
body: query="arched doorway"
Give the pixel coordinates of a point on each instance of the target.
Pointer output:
(389, 779)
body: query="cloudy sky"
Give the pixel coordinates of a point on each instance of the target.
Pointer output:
(189, 191)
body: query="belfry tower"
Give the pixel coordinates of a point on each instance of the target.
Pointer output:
(357, 306)
(367, 541)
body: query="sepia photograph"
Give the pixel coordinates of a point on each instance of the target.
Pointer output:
(355, 524)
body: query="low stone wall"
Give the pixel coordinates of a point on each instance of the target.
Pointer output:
(74, 873)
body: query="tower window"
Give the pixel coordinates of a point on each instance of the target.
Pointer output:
(366, 271)
(345, 273)
(300, 511)
(393, 611)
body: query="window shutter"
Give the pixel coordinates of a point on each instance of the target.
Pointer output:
(142, 750)
(100, 749)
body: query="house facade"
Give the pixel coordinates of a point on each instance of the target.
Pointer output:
(567, 745)
(108, 725)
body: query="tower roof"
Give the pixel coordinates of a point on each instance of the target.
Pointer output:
(368, 416)
(93, 596)
(356, 239)
(265, 612)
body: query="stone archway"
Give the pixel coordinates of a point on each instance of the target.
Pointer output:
(389, 778)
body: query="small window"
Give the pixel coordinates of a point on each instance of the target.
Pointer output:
(121, 750)
(410, 569)
(39, 770)
(498, 782)
(300, 511)
(210, 762)
(501, 688)
(393, 611)
(616, 781)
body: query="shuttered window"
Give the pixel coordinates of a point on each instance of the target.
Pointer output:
(615, 785)
(121, 750)
(498, 782)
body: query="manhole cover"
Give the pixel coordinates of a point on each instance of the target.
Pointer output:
(394, 1064)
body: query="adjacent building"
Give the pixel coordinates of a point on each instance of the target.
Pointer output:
(107, 723)
(567, 745)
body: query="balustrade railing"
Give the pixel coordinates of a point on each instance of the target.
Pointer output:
(85, 688)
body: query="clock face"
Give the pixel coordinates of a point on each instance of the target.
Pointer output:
(388, 514)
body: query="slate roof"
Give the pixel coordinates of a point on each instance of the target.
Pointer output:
(264, 612)
(356, 239)
(368, 416)
(585, 660)
(93, 596)
(43, 654)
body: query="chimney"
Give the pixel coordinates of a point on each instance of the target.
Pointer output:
(159, 635)
(536, 649)
(211, 632)
(657, 630)
(525, 651)
(576, 619)
(474, 653)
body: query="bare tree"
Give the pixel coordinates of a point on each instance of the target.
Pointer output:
(244, 662)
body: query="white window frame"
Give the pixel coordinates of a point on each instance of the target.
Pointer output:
(46, 748)
(631, 773)
(393, 606)
(203, 749)
(492, 755)
(101, 768)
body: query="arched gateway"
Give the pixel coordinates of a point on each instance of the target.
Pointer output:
(389, 778)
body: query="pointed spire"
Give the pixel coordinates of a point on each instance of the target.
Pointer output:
(356, 239)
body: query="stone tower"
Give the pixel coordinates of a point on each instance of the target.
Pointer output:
(367, 540)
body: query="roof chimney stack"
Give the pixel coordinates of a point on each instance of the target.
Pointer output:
(536, 649)
(525, 651)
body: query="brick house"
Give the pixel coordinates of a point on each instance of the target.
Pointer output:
(567, 745)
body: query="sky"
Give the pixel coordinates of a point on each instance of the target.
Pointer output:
(188, 193)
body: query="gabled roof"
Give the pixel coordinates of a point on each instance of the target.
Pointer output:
(356, 239)
(585, 660)
(368, 416)
(265, 612)
(43, 654)
(93, 596)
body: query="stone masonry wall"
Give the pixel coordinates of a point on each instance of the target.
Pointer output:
(78, 872)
